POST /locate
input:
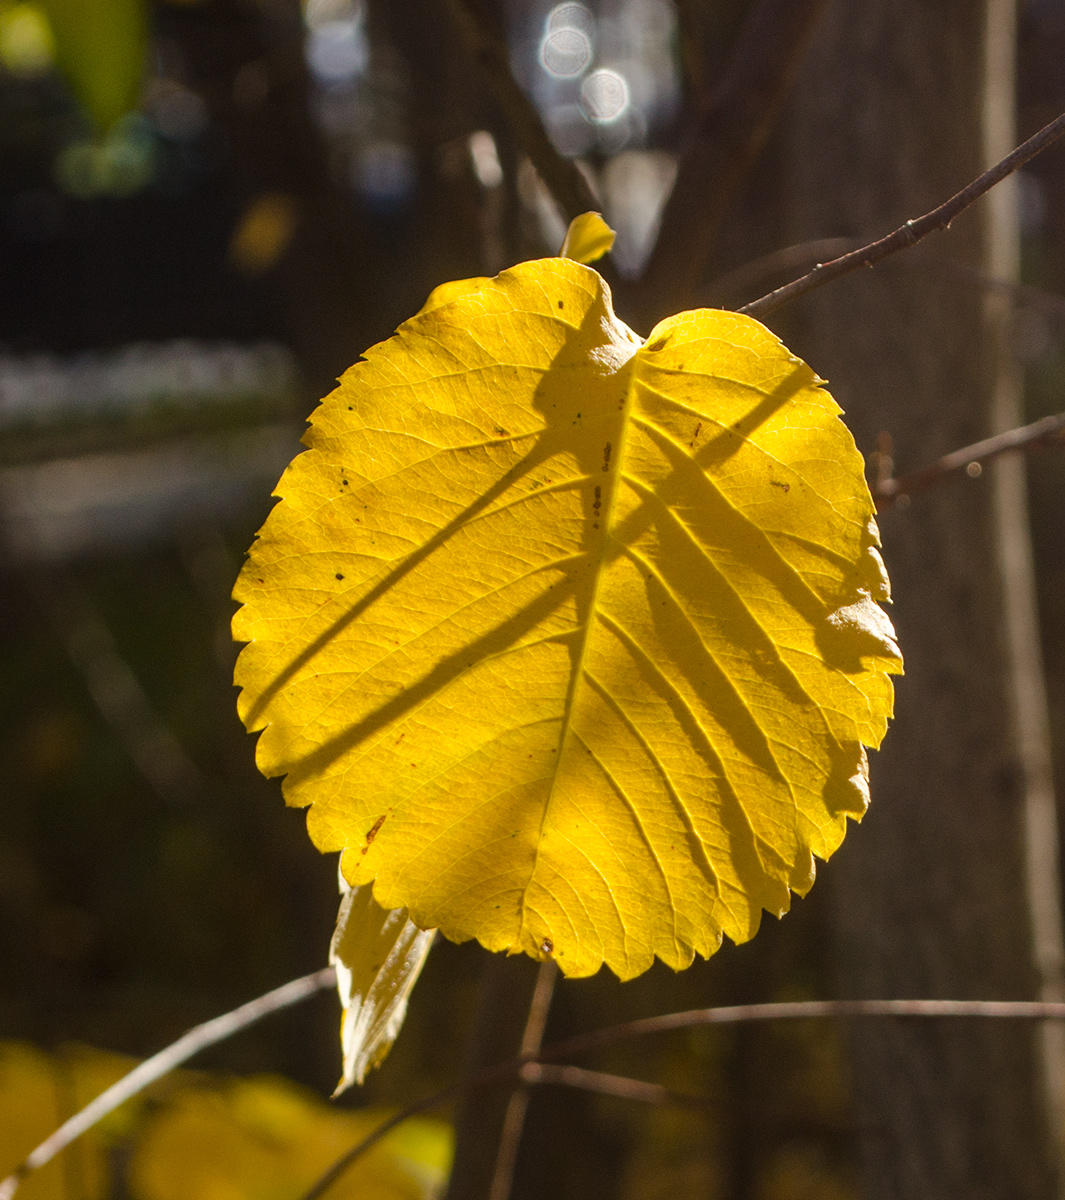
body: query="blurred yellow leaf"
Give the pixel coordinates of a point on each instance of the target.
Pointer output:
(267, 1139)
(570, 641)
(263, 234)
(38, 1092)
(26, 43)
(101, 46)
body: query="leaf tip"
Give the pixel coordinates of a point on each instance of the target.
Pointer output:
(588, 238)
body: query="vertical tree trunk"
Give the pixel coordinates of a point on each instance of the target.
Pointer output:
(940, 892)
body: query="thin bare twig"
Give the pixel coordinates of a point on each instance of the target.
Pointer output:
(888, 491)
(1030, 1010)
(802, 254)
(911, 232)
(787, 258)
(560, 175)
(154, 1068)
(117, 692)
(518, 1104)
(732, 123)
(609, 1085)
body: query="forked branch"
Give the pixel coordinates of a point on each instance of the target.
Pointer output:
(1048, 431)
(730, 1015)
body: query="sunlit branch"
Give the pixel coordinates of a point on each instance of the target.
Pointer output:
(1050, 430)
(560, 175)
(911, 232)
(1030, 1010)
(800, 254)
(787, 258)
(154, 1068)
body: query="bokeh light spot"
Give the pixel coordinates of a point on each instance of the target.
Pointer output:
(605, 95)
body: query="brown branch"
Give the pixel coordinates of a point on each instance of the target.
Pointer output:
(488, 46)
(514, 1121)
(1029, 1010)
(154, 1068)
(790, 258)
(888, 491)
(731, 125)
(762, 269)
(911, 232)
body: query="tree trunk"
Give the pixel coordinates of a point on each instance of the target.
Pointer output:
(949, 889)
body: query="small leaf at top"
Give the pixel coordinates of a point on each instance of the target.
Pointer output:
(571, 642)
(588, 238)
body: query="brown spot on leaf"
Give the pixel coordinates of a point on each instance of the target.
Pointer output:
(372, 831)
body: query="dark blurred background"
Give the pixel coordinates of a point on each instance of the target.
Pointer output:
(190, 252)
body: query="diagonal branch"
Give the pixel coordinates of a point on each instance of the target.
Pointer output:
(732, 123)
(1046, 432)
(488, 46)
(911, 232)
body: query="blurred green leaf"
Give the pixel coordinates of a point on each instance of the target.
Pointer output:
(101, 47)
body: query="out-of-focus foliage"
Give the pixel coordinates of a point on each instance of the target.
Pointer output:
(101, 46)
(27, 47)
(266, 1139)
(572, 640)
(38, 1092)
(262, 1138)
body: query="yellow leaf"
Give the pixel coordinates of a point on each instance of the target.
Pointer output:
(267, 1139)
(378, 955)
(588, 238)
(572, 642)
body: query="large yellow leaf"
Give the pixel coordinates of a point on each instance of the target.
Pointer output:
(571, 642)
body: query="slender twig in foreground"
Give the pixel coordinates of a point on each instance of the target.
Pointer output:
(1029, 1010)
(970, 459)
(160, 1064)
(911, 232)
(560, 175)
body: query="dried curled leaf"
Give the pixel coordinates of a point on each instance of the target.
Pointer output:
(571, 642)
(378, 954)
